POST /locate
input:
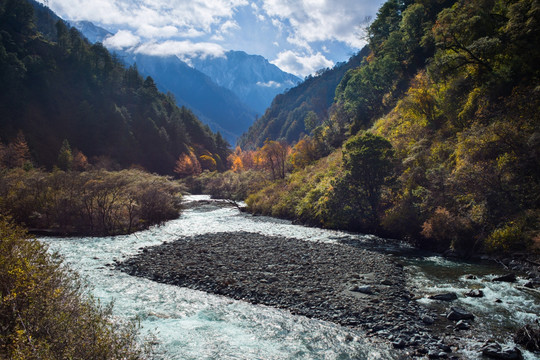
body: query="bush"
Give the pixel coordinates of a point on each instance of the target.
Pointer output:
(45, 312)
(93, 202)
(509, 237)
(448, 231)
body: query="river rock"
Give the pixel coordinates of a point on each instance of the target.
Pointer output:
(511, 277)
(471, 277)
(444, 297)
(462, 325)
(457, 314)
(363, 289)
(496, 351)
(399, 344)
(476, 293)
(428, 319)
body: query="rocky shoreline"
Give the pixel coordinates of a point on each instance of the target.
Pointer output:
(353, 287)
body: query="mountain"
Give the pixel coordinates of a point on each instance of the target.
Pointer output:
(225, 92)
(91, 31)
(216, 106)
(285, 117)
(251, 77)
(71, 90)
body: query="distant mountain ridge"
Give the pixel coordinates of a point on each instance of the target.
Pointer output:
(91, 31)
(214, 105)
(251, 77)
(227, 93)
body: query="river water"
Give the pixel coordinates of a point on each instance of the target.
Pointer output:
(189, 324)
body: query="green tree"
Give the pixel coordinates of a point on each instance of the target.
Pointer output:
(65, 156)
(368, 161)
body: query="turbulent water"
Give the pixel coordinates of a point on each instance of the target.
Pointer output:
(189, 324)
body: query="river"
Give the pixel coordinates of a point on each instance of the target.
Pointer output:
(190, 324)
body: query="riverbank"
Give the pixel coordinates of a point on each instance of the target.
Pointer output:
(353, 287)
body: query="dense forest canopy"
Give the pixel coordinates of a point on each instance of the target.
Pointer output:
(57, 86)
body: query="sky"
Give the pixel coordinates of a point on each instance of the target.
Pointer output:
(299, 36)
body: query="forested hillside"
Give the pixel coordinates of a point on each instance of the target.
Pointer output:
(441, 131)
(307, 103)
(58, 87)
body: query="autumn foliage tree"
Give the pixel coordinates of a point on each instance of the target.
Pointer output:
(274, 157)
(187, 165)
(16, 154)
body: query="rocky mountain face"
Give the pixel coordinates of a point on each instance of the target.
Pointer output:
(91, 31)
(251, 77)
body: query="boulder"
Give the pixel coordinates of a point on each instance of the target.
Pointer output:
(496, 351)
(428, 319)
(476, 293)
(511, 277)
(459, 314)
(444, 297)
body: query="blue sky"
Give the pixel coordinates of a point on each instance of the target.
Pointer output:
(298, 36)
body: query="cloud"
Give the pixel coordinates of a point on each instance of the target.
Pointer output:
(151, 18)
(324, 20)
(301, 65)
(229, 26)
(269, 84)
(183, 49)
(121, 40)
(150, 31)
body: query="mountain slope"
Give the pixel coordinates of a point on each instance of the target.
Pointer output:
(285, 117)
(91, 31)
(444, 133)
(251, 77)
(239, 86)
(70, 89)
(214, 105)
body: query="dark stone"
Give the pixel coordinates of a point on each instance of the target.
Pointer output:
(364, 289)
(476, 293)
(529, 285)
(471, 277)
(444, 297)
(511, 277)
(496, 351)
(462, 325)
(428, 319)
(399, 344)
(459, 314)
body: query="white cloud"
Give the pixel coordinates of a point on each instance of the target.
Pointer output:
(151, 18)
(121, 40)
(229, 26)
(183, 49)
(269, 84)
(150, 31)
(299, 64)
(323, 20)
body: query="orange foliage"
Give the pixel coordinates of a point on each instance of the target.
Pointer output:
(80, 161)
(303, 153)
(187, 164)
